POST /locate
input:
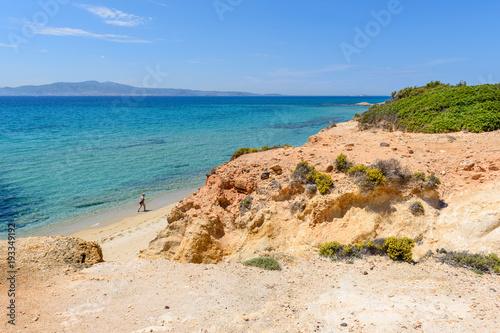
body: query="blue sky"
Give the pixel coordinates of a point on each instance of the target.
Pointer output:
(322, 47)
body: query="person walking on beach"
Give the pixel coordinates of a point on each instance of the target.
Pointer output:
(141, 203)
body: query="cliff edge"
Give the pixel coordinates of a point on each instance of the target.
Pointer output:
(251, 206)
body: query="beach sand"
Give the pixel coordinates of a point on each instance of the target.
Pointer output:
(124, 232)
(121, 241)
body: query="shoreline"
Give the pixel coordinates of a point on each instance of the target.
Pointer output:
(123, 232)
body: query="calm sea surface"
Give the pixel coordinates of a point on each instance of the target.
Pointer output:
(65, 158)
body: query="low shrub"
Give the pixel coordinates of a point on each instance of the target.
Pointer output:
(393, 171)
(264, 263)
(399, 248)
(246, 150)
(386, 171)
(355, 169)
(330, 249)
(245, 204)
(342, 164)
(432, 181)
(307, 174)
(365, 177)
(375, 176)
(489, 263)
(417, 208)
(396, 249)
(429, 182)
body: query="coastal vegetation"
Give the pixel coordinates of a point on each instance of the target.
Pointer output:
(479, 263)
(246, 150)
(438, 108)
(416, 208)
(307, 174)
(395, 248)
(342, 164)
(385, 172)
(267, 263)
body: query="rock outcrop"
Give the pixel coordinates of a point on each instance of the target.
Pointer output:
(50, 251)
(251, 206)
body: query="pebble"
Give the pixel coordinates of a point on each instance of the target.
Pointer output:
(384, 144)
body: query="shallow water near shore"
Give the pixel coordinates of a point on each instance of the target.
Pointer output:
(66, 159)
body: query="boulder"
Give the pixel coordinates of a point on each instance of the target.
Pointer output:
(56, 251)
(467, 165)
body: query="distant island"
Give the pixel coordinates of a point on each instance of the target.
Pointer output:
(95, 88)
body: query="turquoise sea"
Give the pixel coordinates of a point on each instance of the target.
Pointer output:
(65, 158)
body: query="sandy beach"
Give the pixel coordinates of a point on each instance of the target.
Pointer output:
(124, 232)
(121, 241)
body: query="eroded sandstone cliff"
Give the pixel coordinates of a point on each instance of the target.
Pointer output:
(251, 206)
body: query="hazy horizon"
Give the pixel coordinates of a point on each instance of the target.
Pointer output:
(329, 48)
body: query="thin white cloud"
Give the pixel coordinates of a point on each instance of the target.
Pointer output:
(82, 33)
(262, 55)
(8, 45)
(158, 3)
(115, 16)
(436, 62)
(306, 73)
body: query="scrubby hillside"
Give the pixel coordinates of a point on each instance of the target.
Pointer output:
(438, 108)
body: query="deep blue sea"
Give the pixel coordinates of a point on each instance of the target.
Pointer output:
(65, 158)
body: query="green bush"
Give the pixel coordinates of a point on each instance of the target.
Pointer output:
(375, 176)
(439, 108)
(342, 164)
(264, 263)
(390, 172)
(378, 246)
(360, 168)
(307, 174)
(366, 177)
(329, 249)
(399, 248)
(246, 150)
(489, 263)
(429, 182)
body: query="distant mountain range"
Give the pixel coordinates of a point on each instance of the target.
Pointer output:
(94, 88)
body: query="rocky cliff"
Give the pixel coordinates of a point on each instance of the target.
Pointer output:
(251, 206)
